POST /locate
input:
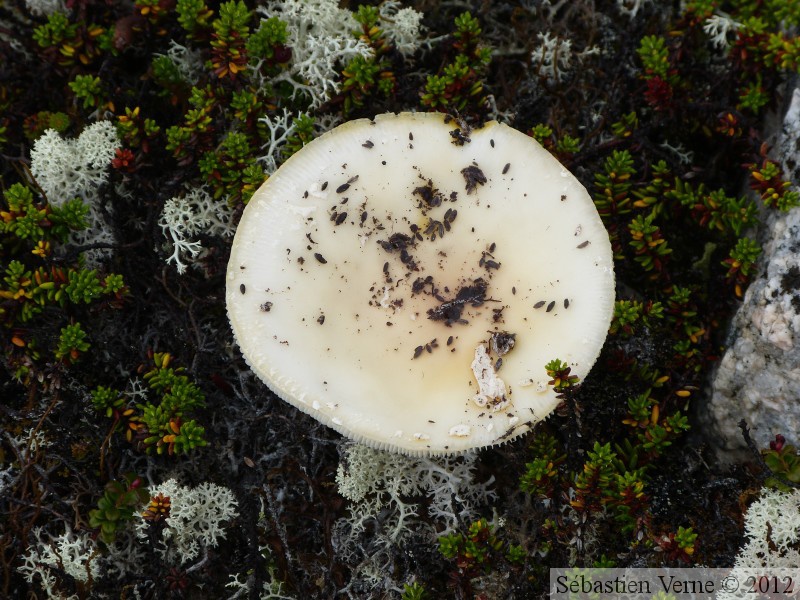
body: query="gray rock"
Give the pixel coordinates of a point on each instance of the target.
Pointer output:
(758, 378)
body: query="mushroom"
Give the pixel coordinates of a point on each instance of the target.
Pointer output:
(405, 280)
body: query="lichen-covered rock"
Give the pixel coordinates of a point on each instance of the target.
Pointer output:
(758, 378)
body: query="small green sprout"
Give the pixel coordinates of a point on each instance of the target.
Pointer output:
(541, 133)
(228, 45)
(71, 343)
(628, 313)
(89, 89)
(55, 31)
(107, 400)
(613, 185)
(414, 591)
(561, 379)
(650, 247)
(753, 96)
(767, 179)
(541, 473)
(655, 56)
(268, 41)
(83, 286)
(459, 84)
(679, 545)
(194, 16)
(626, 125)
(302, 133)
(741, 263)
(475, 550)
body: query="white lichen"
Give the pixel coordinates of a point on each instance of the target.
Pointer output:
(184, 218)
(553, 57)
(272, 588)
(70, 168)
(25, 447)
(375, 481)
(189, 62)
(280, 128)
(45, 8)
(196, 521)
(402, 25)
(772, 529)
(66, 169)
(382, 489)
(320, 35)
(631, 8)
(73, 554)
(717, 28)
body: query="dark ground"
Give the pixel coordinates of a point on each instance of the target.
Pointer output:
(281, 464)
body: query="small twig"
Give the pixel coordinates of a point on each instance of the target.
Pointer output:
(196, 566)
(38, 507)
(107, 442)
(41, 420)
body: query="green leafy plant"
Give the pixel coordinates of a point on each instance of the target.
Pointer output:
(741, 263)
(162, 425)
(120, 502)
(679, 545)
(268, 42)
(194, 16)
(302, 134)
(361, 76)
(612, 480)
(628, 313)
(68, 43)
(110, 402)
(33, 285)
(167, 75)
(460, 82)
(625, 127)
(230, 170)
(478, 549)
(563, 146)
(540, 477)
(783, 460)
(71, 343)
(27, 219)
(714, 209)
(594, 482)
(152, 10)
(37, 124)
(767, 179)
(137, 131)
(613, 184)
(648, 242)
(753, 96)
(196, 136)
(655, 56)
(414, 591)
(229, 41)
(89, 89)
(364, 76)
(659, 73)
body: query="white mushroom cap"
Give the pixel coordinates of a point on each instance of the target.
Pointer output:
(378, 277)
